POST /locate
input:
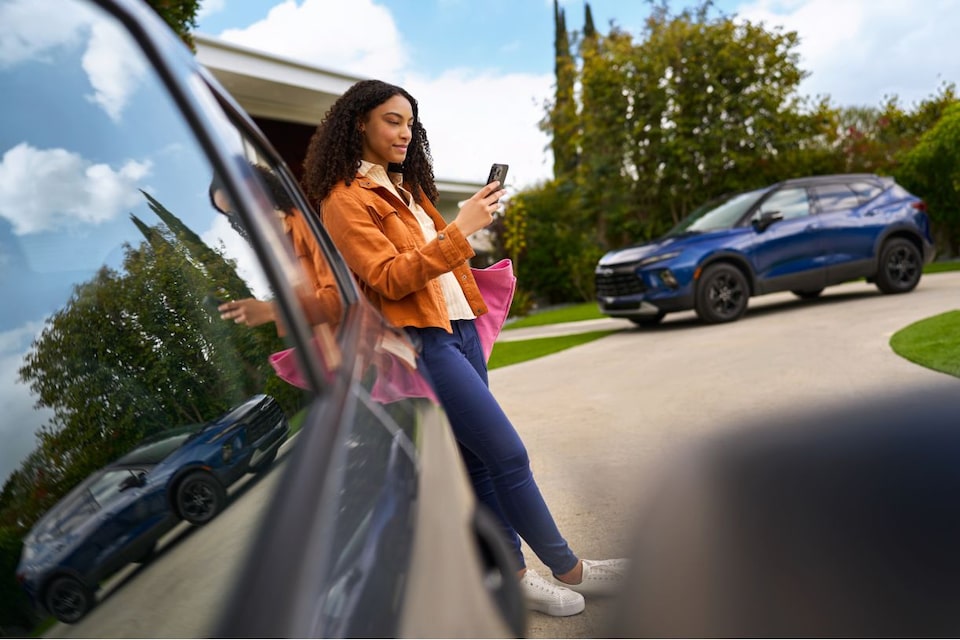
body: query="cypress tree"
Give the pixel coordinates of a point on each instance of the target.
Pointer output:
(563, 120)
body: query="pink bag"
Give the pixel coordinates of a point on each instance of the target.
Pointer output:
(497, 285)
(284, 363)
(396, 377)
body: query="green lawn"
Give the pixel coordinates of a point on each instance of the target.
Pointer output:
(933, 343)
(940, 267)
(570, 313)
(513, 352)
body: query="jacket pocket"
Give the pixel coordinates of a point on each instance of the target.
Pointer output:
(395, 229)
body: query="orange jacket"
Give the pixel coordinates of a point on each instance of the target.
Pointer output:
(382, 243)
(322, 303)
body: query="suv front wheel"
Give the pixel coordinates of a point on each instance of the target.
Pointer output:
(722, 294)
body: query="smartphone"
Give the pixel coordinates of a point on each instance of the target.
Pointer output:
(498, 172)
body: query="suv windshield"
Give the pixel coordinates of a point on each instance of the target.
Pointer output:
(718, 214)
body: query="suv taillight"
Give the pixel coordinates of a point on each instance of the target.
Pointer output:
(919, 205)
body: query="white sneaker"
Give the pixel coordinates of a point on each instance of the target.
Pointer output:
(602, 577)
(548, 597)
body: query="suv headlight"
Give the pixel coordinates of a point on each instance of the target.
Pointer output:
(658, 258)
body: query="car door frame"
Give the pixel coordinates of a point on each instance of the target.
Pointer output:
(788, 232)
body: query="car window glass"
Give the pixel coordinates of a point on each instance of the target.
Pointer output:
(835, 197)
(790, 203)
(866, 191)
(310, 273)
(114, 262)
(722, 214)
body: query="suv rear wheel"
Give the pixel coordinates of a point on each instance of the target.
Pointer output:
(722, 294)
(900, 266)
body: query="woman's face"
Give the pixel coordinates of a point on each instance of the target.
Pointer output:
(387, 131)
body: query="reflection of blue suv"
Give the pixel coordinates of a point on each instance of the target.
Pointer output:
(117, 515)
(799, 235)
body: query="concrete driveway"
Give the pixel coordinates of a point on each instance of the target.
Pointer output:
(601, 419)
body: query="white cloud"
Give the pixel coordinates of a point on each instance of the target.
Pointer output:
(858, 51)
(221, 235)
(476, 118)
(114, 68)
(358, 37)
(210, 7)
(41, 189)
(30, 28)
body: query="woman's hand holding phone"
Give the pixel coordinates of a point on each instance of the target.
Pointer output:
(477, 212)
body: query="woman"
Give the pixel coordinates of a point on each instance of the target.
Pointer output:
(368, 169)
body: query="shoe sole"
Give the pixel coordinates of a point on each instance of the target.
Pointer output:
(558, 610)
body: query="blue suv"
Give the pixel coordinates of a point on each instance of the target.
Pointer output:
(799, 235)
(119, 513)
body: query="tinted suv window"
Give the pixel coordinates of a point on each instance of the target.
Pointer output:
(835, 197)
(790, 203)
(114, 261)
(866, 191)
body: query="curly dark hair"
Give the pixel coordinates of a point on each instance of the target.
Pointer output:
(336, 147)
(281, 197)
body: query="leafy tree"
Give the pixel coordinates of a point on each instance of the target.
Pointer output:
(711, 100)
(181, 15)
(554, 251)
(603, 189)
(871, 139)
(932, 169)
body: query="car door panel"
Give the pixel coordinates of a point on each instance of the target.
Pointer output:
(849, 230)
(788, 253)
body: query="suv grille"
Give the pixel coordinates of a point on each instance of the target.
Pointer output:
(623, 281)
(265, 419)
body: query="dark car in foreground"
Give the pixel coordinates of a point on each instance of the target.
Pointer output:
(136, 196)
(117, 515)
(800, 235)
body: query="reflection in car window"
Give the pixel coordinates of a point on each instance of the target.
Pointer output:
(866, 191)
(722, 216)
(114, 264)
(790, 203)
(835, 197)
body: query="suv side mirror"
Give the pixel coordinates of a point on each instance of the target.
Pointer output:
(132, 481)
(766, 219)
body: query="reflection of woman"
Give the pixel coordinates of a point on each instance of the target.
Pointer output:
(322, 303)
(413, 266)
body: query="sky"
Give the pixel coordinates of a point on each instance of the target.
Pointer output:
(482, 71)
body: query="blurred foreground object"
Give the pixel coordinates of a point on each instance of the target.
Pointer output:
(837, 522)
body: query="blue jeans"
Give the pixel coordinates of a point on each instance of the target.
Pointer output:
(494, 455)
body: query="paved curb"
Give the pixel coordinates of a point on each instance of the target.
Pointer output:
(564, 329)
